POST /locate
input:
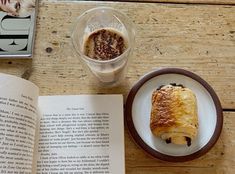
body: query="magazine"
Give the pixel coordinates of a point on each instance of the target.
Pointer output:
(59, 134)
(17, 27)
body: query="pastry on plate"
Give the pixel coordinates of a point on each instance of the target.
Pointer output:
(174, 116)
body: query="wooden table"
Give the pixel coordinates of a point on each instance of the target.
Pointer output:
(231, 2)
(199, 38)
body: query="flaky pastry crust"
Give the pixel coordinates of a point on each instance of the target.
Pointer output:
(174, 115)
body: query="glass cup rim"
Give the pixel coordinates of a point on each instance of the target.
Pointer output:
(94, 60)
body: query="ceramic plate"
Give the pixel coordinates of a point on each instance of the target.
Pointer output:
(138, 108)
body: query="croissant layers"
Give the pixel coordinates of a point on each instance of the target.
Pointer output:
(174, 115)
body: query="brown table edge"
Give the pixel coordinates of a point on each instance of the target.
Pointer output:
(201, 2)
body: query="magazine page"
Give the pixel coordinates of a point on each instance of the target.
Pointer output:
(17, 27)
(81, 134)
(18, 115)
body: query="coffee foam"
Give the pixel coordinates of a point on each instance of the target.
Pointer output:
(105, 44)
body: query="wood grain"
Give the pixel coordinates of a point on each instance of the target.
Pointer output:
(187, 1)
(220, 159)
(199, 38)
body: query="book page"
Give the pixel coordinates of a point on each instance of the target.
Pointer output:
(18, 103)
(81, 134)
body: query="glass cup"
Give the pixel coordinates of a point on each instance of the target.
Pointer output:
(106, 72)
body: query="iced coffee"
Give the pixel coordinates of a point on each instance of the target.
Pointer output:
(105, 45)
(103, 38)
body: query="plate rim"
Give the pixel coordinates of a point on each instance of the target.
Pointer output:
(145, 146)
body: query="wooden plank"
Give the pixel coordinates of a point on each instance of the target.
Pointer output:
(173, 1)
(231, 2)
(194, 37)
(220, 159)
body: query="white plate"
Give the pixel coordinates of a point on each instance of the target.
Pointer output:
(138, 109)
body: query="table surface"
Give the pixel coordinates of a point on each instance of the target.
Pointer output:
(231, 2)
(199, 38)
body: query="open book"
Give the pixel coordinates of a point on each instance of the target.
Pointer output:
(82, 134)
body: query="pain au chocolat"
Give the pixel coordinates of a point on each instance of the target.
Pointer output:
(174, 115)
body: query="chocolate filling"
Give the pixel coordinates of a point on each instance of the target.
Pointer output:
(160, 87)
(180, 85)
(188, 141)
(172, 84)
(168, 140)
